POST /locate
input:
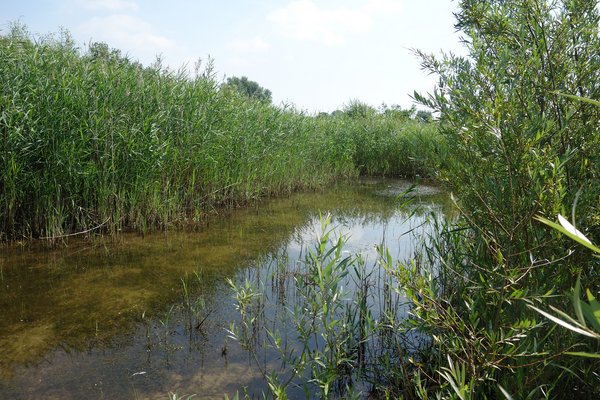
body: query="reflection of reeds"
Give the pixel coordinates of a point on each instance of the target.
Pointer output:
(165, 322)
(279, 277)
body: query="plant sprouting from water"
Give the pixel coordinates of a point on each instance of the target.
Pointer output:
(194, 304)
(325, 351)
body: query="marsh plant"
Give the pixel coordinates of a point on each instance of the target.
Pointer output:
(503, 110)
(331, 341)
(92, 142)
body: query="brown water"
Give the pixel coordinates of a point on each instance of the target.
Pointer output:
(103, 318)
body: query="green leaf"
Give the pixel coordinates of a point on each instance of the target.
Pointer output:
(579, 98)
(499, 257)
(572, 233)
(505, 393)
(583, 354)
(592, 311)
(524, 324)
(565, 324)
(577, 301)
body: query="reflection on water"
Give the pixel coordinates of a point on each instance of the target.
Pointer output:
(141, 317)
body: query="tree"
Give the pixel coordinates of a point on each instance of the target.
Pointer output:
(101, 51)
(358, 109)
(249, 88)
(424, 116)
(502, 110)
(397, 111)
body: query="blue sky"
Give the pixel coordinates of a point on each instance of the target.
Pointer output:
(315, 54)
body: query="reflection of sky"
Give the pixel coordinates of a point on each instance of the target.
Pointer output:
(400, 234)
(400, 231)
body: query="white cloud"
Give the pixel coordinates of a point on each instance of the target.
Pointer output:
(252, 45)
(305, 20)
(127, 33)
(110, 5)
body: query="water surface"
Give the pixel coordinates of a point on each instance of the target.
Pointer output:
(109, 318)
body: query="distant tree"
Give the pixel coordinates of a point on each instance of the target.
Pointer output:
(101, 51)
(249, 88)
(424, 116)
(397, 111)
(358, 109)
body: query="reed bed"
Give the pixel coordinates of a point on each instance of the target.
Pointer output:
(388, 145)
(92, 141)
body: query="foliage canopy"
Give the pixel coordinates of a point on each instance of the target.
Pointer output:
(249, 88)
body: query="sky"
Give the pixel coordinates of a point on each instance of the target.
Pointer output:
(317, 55)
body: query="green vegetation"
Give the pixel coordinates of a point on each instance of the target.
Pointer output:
(521, 119)
(394, 143)
(93, 141)
(330, 353)
(249, 88)
(536, 154)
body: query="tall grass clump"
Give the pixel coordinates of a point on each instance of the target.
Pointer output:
(392, 142)
(91, 139)
(94, 141)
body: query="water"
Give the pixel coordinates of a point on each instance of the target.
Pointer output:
(101, 318)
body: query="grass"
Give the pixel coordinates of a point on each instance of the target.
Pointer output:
(93, 142)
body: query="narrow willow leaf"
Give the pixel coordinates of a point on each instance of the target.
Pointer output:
(505, 393)
(575, 237)
(566, 324)
(583, 354)
(566, 317)
(571, 229)
(579, 98)
(577, 301)
(592, 311)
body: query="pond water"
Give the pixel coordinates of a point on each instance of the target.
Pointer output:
(140, 317)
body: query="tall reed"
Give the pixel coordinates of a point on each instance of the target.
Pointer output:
(92, 140)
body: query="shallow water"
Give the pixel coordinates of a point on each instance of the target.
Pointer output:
(102, 318)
